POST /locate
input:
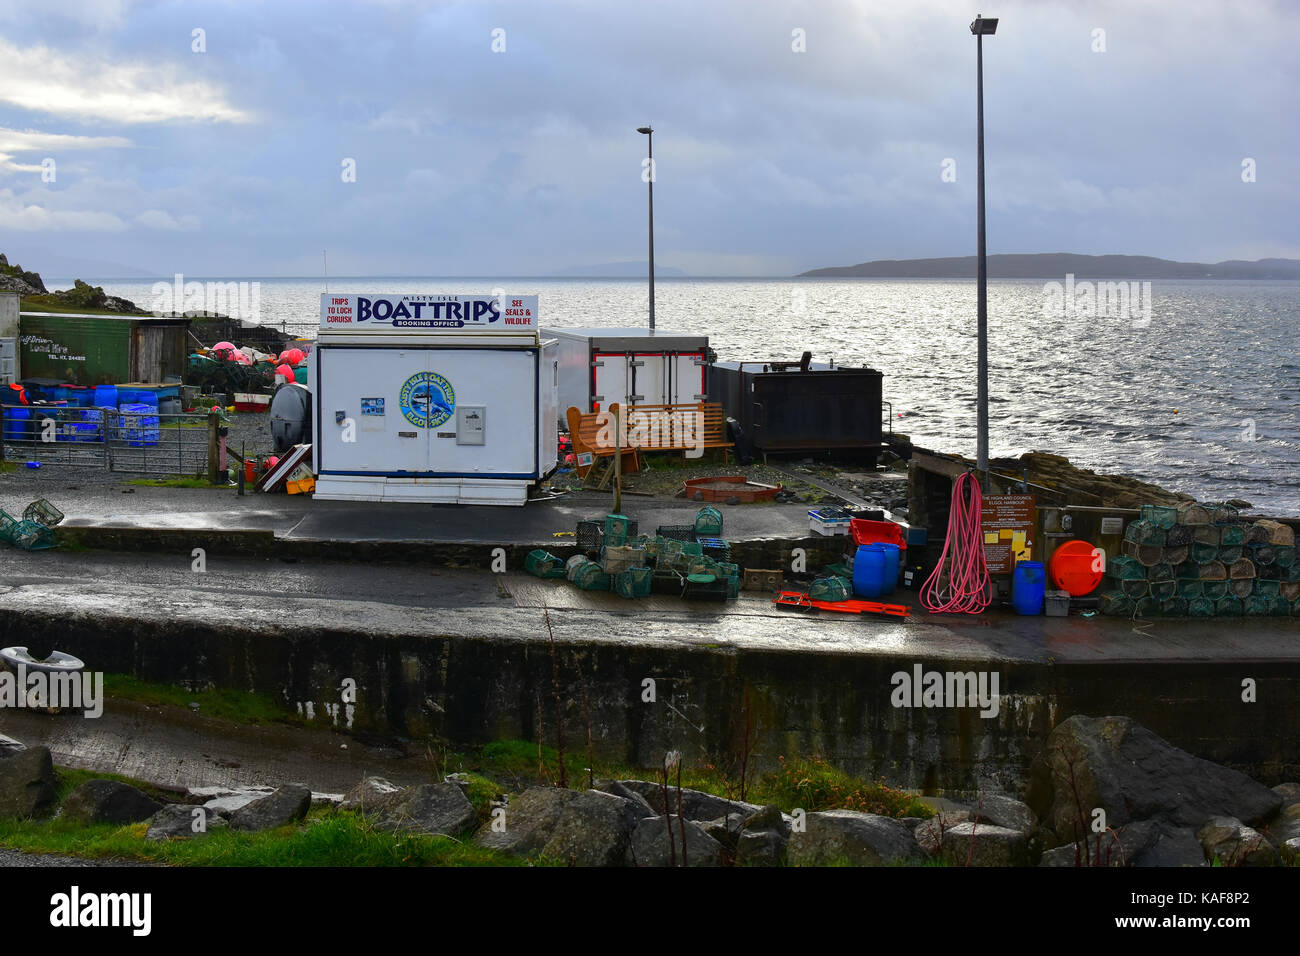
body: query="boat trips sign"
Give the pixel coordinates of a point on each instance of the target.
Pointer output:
(456, 313)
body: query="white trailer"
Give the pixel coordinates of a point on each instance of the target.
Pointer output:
(432, 398)
(630, 366)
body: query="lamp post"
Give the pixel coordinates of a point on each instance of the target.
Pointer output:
(982, 27)
(650, 153)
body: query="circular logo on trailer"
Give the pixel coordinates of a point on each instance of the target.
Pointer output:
(427, 399)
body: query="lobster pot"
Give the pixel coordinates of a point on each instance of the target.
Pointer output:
(1177, 555)
(1164, 590)
(1289, 590)
(677, 532)
(1242, 568)
(1160, 572)
(1228, 607)
(692, 549)
(1281, 606)
(8, 527)
(700, 564)
(830, 589)
(1134, 589)
(33, 536)
(1200, 607)
(1207, 534)
(1266, 588)
(1256, 533)
(1146, 607)
(1263, 554)
(1257, 605)
(1293, 573)
(1190, 589)
(708, 522)
(1125, 568)
(42, 512)
(543, 564)
(1145, 554)
(1214, 571)
(575, 564)
(1115, 603)
(1215, 590)
(1179, 535)
(1231, 553)
(591, 577)
(1276, 533)
(617, 530)
(1188, 571)
(1241, 587)
(1284, 555)
(716, 548)
(1159, 516)
(615, 559)
(633, 583)
(1205, 553)
(1174, 607)
(1145, 532)
(1223, 514)
(732, 573)
(1190, 513)
(1231, 535)
(1270, 572)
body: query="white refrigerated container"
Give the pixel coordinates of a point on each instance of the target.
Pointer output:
(630, 366)
(432, 398)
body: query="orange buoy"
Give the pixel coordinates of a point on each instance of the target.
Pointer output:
(1076, 568)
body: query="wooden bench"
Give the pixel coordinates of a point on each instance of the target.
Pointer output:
(646, 428)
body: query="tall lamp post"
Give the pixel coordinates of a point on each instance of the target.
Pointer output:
(982, 27)
(650, 153)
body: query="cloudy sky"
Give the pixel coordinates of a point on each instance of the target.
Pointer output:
(789, 135)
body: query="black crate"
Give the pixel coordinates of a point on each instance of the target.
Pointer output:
(678, 532)
(716, 548)
(667, 582)
(719, 589)
(591, 534)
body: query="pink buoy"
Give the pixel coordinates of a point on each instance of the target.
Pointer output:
(224, 345)
(286, 371)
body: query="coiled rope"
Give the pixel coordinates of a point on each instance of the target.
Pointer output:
(966, 588)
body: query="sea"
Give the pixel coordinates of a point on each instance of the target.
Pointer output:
(1191, 384)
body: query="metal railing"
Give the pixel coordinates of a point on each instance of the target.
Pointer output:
(139, 442)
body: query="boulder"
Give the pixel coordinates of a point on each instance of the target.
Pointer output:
(1105, 849)
(287, 805)
(182, 821)
(1116, 764)
(370, 790)
(983, 844)
(650, 845)
(762, 847)
(108, 801)
(1234, 844)
(928, 832)
(696, 804)
(726, 830)
(846, 836)
(1289, 792)
(228, 801)
(27, 783)
(1286, 824)
(594, 830)
(1171, 846)
(530, 819)
(1290, 851)
(434, 808)
(1004, 811)
(617, 788)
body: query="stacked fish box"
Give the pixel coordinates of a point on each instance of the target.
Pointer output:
(1203, 560)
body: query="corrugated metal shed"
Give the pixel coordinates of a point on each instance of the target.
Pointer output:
(102, 349)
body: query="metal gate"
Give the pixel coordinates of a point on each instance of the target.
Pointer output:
(145, 442)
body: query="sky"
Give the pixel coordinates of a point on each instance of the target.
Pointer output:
(479, 138)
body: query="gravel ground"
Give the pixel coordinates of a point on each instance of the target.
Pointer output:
(19, 858)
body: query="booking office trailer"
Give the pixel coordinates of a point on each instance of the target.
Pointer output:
(432, 398)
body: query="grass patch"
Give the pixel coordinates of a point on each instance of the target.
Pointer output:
(179, 482)
(325, 838)
(814, 784)
(240, 706)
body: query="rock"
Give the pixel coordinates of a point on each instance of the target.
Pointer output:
(1106, 849)
(529, 821)
(726, 830)
(929, 832)
(1235, 844)
(108, 801)
(594, 829)
(434, 808)
(234, 800)
(846, 836)
(769, 817)
(1124, 768)
(911, 822)
(287, 805)
(179, 821)
(1004, 811)
(1290, 851)
(368, 791)
(983, 844)
(650, 845)
(696, 804)
(1289, 792)
(10, 747)
(1059, 856)
(1172, 846)
(619, 790)
(761, 848)
(459, 779)
(27, 783)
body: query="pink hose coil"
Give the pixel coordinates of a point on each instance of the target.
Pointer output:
(969, 589)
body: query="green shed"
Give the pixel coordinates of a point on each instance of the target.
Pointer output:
(103, 349)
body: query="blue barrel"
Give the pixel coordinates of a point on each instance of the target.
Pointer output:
(1028, 585)
(17, 423)
(869, 571)
(106, 396)
(889, 573)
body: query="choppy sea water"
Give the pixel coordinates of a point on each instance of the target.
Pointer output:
(1199, 394)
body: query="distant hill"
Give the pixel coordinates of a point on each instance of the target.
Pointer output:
(1054, 265)
(619, 270)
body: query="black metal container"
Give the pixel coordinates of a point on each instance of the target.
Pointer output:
(800, 408)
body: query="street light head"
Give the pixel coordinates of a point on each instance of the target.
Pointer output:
(985, 26)
(644, 129)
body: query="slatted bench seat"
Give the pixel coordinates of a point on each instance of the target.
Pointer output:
(646, 428)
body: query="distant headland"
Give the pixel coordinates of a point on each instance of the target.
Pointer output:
(1053, 265)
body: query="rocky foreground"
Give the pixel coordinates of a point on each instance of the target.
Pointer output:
(1104, 792)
